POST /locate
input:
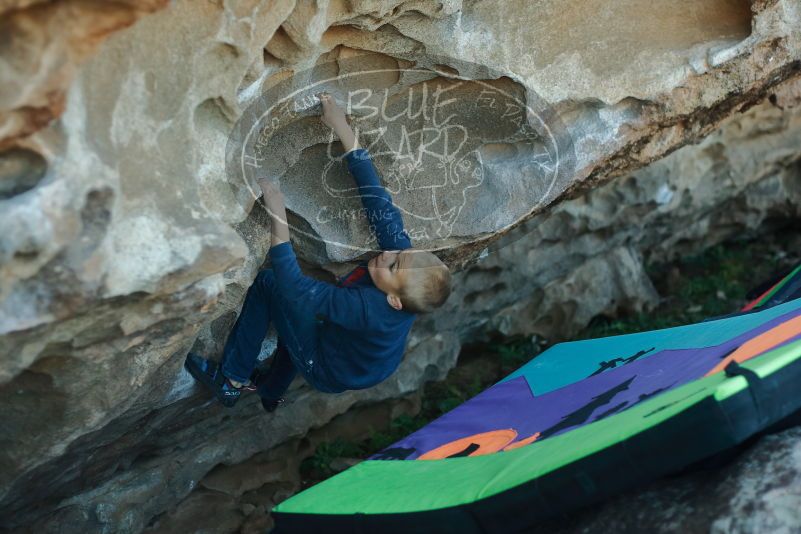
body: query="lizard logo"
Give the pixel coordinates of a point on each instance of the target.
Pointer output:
(462, 158)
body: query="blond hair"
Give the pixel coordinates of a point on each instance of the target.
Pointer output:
(428, 283)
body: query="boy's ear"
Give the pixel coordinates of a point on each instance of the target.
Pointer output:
(394, 301)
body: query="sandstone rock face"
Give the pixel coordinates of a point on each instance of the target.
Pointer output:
(125, 240)
(43, 44)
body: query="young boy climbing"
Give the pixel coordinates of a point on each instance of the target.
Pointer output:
(349, 335)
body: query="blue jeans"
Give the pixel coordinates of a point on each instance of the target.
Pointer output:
(298, 340)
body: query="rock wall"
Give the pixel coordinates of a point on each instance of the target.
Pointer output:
(125, 241)
(43, 45)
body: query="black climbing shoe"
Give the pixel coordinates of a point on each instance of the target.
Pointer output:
(259, 374)
(209, 374)
(270, 405)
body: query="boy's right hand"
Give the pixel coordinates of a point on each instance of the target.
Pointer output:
(274, 202)
(273, 197)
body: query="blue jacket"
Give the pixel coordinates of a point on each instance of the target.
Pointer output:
(362, 337)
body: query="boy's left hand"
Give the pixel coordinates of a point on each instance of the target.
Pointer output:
(332, 115)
